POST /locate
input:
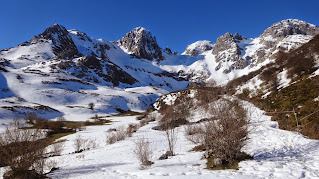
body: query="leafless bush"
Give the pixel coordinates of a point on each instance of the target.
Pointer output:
(131, 129)
(111, 138)
(91, 144)
(143, 122)
(143, 152)
(118, 135)
(194, 133)
(81, 144)
(170, 133)
(226, 136)
(78, 143)
(44, 165)
(57, 148)
(21, 150)
(192, 129)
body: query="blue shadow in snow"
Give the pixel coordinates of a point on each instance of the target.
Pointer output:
(4, 89)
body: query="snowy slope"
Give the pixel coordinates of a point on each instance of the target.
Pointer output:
(198, 47)
(40, 73)
(61, 68)
(277, 154)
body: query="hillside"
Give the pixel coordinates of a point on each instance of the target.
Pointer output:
(235, 108)
(59, 72)
(290, 83)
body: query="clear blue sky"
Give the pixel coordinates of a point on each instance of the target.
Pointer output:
(174, 23)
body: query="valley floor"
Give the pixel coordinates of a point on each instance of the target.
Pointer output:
(277, 154)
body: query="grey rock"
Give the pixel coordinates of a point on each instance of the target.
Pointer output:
(63, 45)
(168, 51)
(141, 44)
(290, 27)
(226, 49)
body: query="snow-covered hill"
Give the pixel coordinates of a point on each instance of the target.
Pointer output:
(278, 154)
(62, 71)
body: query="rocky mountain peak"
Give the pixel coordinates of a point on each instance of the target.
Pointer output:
(290, 27)
(63, 45)
(198, 47)
(226, 50)
(168, 50)
(226, 42)
(238, 37)
(141, 44)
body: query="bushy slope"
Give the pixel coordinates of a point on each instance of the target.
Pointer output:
(288, 84)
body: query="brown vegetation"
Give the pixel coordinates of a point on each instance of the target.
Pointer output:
(143, 152)
(22, 150)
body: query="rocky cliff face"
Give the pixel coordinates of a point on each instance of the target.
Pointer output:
(63, 45)
(141, 44)
(226, 50)
(282, 36)
(95, 70)
(290, 27)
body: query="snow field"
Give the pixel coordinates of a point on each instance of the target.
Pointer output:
(277, 154)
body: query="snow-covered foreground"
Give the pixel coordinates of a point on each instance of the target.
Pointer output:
(277, 154)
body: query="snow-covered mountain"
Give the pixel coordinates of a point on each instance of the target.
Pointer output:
(141, 44)
(234, 55)
(59, 72)
(198, 47)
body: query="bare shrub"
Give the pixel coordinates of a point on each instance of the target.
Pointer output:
(111, 138)
(194, 133)
(57, 148)
(78, 143)
(170, 133)
(226, 136)
(21, 150)
(91, 144)
(117, 135)
(192, 129)
(131, 129)
(143, 122)
(143, 152)
(120, 133)
(44, 166)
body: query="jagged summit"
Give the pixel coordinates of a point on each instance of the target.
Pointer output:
(290, 27)
(63, 45)
(227, 50)
(140, 43)
(140, 29)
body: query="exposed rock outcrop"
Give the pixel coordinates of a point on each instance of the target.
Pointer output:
(141, 44)
(226, 50)
(63, 45)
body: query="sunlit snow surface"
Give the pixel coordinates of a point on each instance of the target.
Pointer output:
(277, 154)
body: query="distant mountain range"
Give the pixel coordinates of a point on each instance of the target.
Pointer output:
(59, 72)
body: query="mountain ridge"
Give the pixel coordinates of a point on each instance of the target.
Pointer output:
(111, 74)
